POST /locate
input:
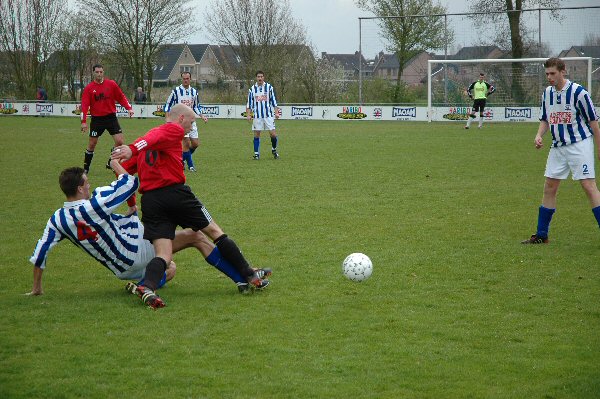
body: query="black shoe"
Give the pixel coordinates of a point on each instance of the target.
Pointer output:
(275, 154)
(244, 288)
(256, 156)
(534, 239)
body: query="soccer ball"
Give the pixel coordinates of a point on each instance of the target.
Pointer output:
(357, 267)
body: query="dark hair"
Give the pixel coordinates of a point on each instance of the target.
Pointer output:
(481, 74)
(555, 62)
(97, 66)
(184, 72)
(70, 179)
(259, 73)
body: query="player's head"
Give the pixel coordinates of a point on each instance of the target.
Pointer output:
(74, 183)
(555, 71)
(260, 77)
(186, 78)
(183, 115)
(481, 77)
(139, 89)
(98, 70)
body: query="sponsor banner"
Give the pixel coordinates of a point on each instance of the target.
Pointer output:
(291, 112)
(518, 114)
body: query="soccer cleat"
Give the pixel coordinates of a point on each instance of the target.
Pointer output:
(149, 297)
(467, 127)
(262, 284)
(275, 154)
(244, 288)
(192, 169)
(534, 239)
(263, 273)
(256, 156)
(131, 288)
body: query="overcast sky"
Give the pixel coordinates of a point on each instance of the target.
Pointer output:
(332, 25)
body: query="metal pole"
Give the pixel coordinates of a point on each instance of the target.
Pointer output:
(445, 58)
(539, 32)
(429, 90)
(359, 61)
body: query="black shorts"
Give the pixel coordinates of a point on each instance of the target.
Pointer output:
(166, 208)
(478, 105)
(107, 122)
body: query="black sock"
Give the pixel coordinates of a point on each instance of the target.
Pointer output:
(274, 142)
(155, 271)
(87, 160)
(230, 251)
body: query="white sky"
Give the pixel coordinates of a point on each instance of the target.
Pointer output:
(332, 25)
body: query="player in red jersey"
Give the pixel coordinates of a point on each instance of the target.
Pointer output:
(99, 96)
(167, 202)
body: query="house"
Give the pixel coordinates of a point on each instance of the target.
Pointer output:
(415, 69)
(577, 70)
(349, 64)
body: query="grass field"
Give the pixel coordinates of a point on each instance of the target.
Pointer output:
(456, 306)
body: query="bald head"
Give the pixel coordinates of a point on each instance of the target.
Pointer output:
(182, 115)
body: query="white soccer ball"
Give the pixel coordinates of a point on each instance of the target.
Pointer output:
(357, 267)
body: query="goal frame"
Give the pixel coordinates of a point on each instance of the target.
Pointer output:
(498, 61)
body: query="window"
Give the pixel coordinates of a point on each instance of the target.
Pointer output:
(186, 68)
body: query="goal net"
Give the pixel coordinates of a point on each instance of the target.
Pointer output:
(518, 82)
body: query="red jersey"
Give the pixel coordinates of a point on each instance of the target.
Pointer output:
(100, 99)
(159, 159)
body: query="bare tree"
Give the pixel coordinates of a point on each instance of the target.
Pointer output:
(133, 31)
(263, 31)
(27, 38)
(319, 80)
(420, 28)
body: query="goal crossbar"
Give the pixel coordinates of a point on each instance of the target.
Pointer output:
(497, 61)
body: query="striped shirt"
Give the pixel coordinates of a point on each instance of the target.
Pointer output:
(181, 95)
(568, 112)
(113, 240)
(261, 100)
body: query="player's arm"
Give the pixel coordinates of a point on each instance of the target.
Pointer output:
(85, 106)
(249, 105)
(198, 109)
(49, 239)
(470, 90)
(172, 100)
(121, 99)
(544, 126)
(128, 167)
(273, 101)
(105, 200)
(490, 88)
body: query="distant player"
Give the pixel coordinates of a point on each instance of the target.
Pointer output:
(99, 96)
(263, 106)
(568, 111)
(478, 91)
(186, 94)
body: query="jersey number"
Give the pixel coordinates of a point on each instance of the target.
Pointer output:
(85, 232)
(585, 169)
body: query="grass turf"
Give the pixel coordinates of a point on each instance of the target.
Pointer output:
(455, 308)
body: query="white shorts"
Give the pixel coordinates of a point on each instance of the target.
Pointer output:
(144, 255)
(193, 134)
(578, 159)
(263, 124)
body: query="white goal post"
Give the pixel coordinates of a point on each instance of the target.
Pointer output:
(503, 71)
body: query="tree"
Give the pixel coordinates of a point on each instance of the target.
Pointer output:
(511, 11)
(265, 34)
(27, 38)
(133, 31)
(419, 28)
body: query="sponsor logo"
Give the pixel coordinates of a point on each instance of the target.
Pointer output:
(159, 111)
(517, 113)
(77, 110)
(7, 108)
(302, 112)
(488, 114)
(121, 111)
(210, 111)
(44, 108)
(403, 113)
(457, 113)
(351, 112)
(567, 107)
(377, 113)
(25, 108)
(559, 118)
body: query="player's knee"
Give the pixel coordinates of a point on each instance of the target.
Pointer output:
(171, 270)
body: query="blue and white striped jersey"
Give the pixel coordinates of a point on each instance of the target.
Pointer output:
(114, 240)
(181, 95)
(261, 100)
(568, 112)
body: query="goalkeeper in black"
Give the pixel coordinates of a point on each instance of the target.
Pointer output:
(479, 91)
